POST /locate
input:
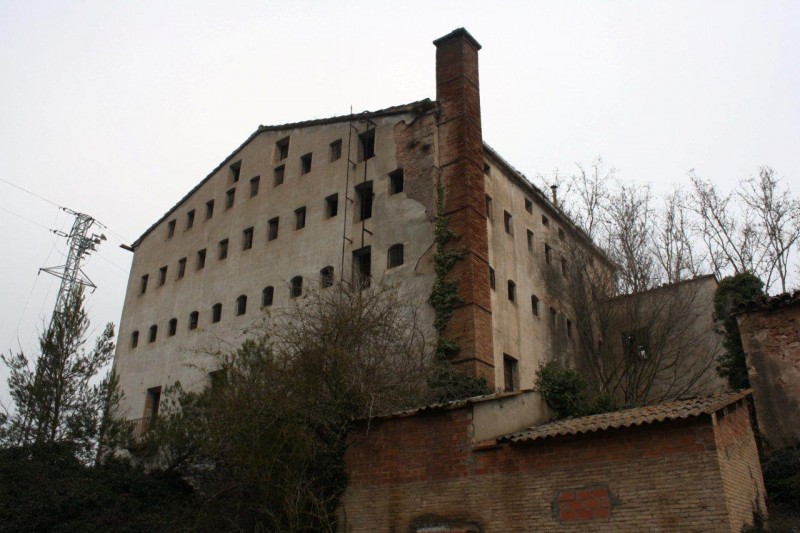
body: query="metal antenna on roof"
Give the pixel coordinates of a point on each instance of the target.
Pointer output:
(81, 244)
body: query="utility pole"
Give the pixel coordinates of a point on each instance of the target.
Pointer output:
(81, 244)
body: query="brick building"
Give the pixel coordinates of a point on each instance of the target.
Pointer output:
(297, 204)
(689, 465)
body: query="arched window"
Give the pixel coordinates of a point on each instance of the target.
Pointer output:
(326, 276)
(241, 305)
(512, 291)
(153, 333)
(296, 287)
(266, 296)
(395, 255)
(173, 327)
(216, 313)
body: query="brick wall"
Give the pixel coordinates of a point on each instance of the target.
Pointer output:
(420, 473)
(771, 340)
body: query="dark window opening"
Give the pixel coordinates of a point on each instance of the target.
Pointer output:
(209, 209)
(366, 145)
(396, 181)
(282, 149)
(364, 197)
(296, 287)
(236, 170)
(194, 318)
(564, 269)
(162, 276)
(266, 296)
(201, 259)
(636, 344)
(535, 305)
(254, 183)
(553, 317)
(507, 223)
(218, 379)
(561, 234)
(488, 207)
(336, 150)
(545, 221)
(223, 249)
(272, 229)
(326, 277)
(190, 219)
(181, 267)
(173, 327)
(528, 205)
(569, 329)
(512, 291)
(547, 253)
(486, 168)
(247, 239)
(216, 313)
(362, 266)
(151, 405)
(134, 339)
(332, 206)
(153, 333)
(171, 228)
(395, 255)
(230, 195)
(278, 175)
(305, 164)
(241, 305)
(510, 373)
(530, 241)
(491, 278)
(143, 284)
(300, 218)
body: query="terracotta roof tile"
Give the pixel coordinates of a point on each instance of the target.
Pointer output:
(766, 303)
(629, 417)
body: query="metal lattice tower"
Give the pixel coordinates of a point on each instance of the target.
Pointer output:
(81, 244)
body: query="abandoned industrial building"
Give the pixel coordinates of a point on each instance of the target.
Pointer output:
(304, 203)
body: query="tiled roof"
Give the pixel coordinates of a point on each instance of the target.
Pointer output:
(629, 417)
(767, 303)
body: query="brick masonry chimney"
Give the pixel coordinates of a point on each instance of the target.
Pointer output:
(461, 163)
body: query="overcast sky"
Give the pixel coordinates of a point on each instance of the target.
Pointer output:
(117, 109)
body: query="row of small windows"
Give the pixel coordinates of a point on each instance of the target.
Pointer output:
(508, 218)
(364, 196)
(511, 288)
(362, 260)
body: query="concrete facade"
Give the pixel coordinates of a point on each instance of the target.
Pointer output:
(431, 143)
(770, 331)
(683, 470)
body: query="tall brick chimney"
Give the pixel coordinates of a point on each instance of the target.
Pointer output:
(461, 163)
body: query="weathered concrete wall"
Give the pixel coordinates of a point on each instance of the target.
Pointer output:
(771, 340)
(420, 473)
(400, 218)
(508, 414)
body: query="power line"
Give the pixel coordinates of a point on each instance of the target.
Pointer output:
(23, 218)
(29, 192)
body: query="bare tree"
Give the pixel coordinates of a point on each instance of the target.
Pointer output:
(673, 240)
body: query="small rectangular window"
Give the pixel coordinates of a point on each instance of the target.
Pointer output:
(171, 228)
(278, 175)
(134, 339)
(216, 313)
(282, 149)
(545, 221)
(512, 291)
(535, 305)
(553, 317)
(194, 317)
(332, 206)
(181, 267)
(510, 373)
(396, 181)
(528, 205)
(530, 241)
(143, 284)
(507, 223)
(153, 333)
(254, 182)
(364, 197)
(564, 265)
(362, 265)
(173, 327)
(230, 195)
(272, 229)
(488, 207)
(486, 168)
(305, 164)
(247, 239)
(395, 256)
(209, 209)
(266, 296)
(491, 278)
(236, 170)
(223, 249)
(366, 145)
(201, 259)
(547, 253)
(336, 150)
(190, 219)
(300, 218)
(151, 404)
(162, 276)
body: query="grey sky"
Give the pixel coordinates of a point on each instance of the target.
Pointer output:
(117, 109)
